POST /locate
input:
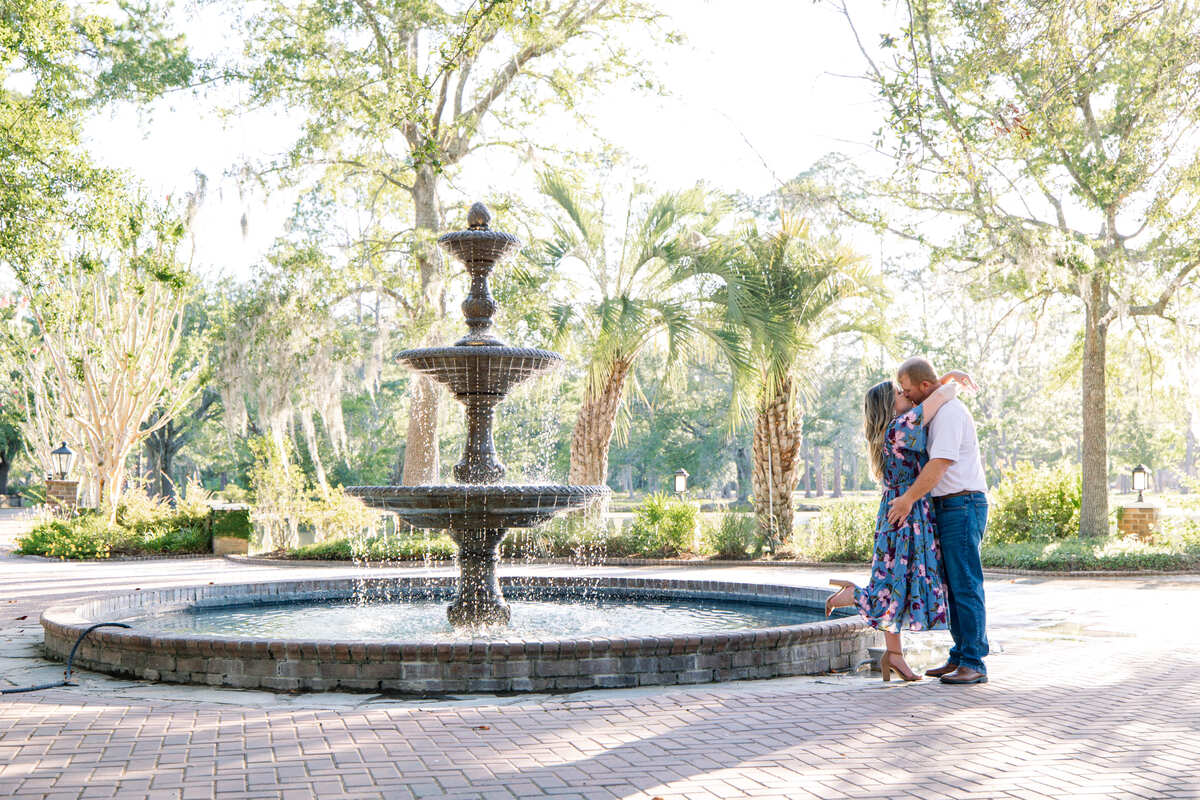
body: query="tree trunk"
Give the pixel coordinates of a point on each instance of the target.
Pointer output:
(837, 471)
(742, 462)
(421, 457)
(776, 463)
(1189, 453)
(1093, 512)
(818, 473)
(594, 427)
(808, 472)
(161, 447)
(5, 466)
(853, 483)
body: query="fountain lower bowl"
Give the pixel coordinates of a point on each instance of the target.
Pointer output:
(472, 507)
(460, 665)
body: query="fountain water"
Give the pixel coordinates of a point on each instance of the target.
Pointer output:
(479, 370)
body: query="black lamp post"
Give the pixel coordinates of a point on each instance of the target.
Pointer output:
(63, 458)
(681, 476)
(1140, 477)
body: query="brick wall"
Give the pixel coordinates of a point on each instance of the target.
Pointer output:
(63, 493)
(1138, 519)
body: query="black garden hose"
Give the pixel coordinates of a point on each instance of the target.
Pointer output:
(66, 681)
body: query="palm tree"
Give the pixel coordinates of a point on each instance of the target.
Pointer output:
(786, 291)
(636, 298)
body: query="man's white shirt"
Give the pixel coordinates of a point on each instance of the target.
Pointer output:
(952, 436)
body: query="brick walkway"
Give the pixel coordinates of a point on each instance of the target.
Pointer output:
(1095, 695)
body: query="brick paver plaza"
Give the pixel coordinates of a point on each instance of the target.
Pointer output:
(1095, 693)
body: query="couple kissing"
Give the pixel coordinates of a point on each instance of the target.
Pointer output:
(926, 572)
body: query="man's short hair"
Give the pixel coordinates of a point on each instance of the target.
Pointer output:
(918, 370)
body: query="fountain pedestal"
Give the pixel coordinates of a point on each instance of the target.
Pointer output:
(478, 600)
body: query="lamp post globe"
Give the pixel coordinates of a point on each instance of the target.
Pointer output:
(1140, 479)
(681, 476)
(63, 457)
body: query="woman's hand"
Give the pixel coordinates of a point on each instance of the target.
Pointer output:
(961, 378)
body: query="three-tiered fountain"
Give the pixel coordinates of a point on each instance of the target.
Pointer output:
(479, 370)
(587, 632)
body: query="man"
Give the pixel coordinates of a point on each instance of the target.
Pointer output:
(955, 476)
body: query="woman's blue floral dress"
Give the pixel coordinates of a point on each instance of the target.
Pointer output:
(906, 588)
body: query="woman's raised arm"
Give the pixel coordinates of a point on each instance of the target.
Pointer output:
(942, 395)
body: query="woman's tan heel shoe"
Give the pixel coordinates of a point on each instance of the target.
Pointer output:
(831, 602)
(886, 666)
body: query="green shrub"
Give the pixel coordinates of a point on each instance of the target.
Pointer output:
(184, 538)
(1035, 504)
(233, 523)
(144, 526)
(1181, 533)
(581, 536)
(402, 547)
(662, 527)
(1085, 555)
(844, 531)
(734, 537)
(333, 514)
(86, 536)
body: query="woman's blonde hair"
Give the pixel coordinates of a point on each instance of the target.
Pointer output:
(878, 410)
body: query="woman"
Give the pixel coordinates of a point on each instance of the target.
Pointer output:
(906, 588)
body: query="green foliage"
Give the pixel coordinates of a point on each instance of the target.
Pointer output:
(407, 547)
(580, 537)
(335, 514)
(663, 526)
(786, 291)
(1181, 533)
(844, 531)
(1082, 555)
(233, 523)
(280, 495)
(735, 536)
(143, 526)
(1086, 109)
(85, 536)
(1035, 504)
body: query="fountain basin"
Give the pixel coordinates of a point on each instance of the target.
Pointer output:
(457, 665)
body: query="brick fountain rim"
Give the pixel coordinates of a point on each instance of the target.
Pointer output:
(433, 667)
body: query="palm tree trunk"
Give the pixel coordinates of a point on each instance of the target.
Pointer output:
(776, 463)
(421, 457)
(594, 427)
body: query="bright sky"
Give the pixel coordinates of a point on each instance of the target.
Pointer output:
(760, 90)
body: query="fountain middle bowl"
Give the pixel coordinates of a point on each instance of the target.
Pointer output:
(464, 507)
(479, 369)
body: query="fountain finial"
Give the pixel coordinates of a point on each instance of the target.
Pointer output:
(478, 217)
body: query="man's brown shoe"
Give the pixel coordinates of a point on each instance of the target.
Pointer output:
(944, 669)
(964, 675)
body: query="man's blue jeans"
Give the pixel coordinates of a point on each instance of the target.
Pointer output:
(960, 523)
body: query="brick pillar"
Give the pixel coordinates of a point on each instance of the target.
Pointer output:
(1138, 519)
(62, 493)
